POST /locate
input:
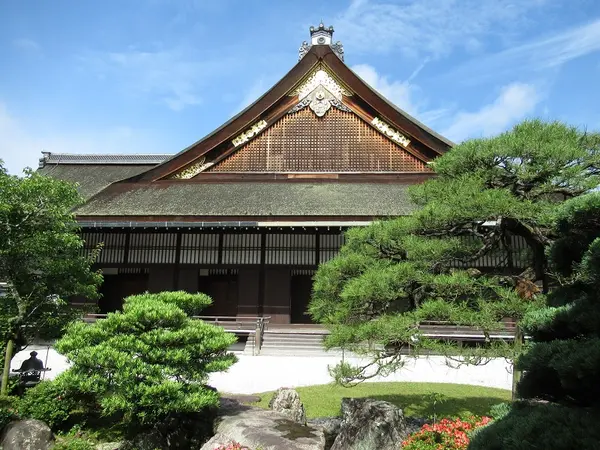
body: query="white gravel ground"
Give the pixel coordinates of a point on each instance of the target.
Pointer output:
(254, 374)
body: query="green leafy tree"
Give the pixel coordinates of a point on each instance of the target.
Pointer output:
(148, 363)
(40, 259)
(395, 274)
(562, 365)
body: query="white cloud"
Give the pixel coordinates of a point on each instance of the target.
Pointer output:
(403, 94)
(538, 55)
(174, 76)
(400, 93)
(515, 102)
(22, 143)
(430, 27)
(27, 45)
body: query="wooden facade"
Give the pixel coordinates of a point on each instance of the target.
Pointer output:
(249, 212)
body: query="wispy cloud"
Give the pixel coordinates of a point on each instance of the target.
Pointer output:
(403, 94)
(175, 77)
(26, 45)
(256, 90)
(430, 27)
(22, 142)
(542, 54)
(515, 102)
(400, 93)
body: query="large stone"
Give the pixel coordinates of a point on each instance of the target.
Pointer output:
(287, 402)
(257, 428)
(218, 441)
(27, 434)
(109, 446)
(370, 424)
(331, 427)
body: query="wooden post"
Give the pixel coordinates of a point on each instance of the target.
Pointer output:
(258, 337)
(518, 345)
(7, 358)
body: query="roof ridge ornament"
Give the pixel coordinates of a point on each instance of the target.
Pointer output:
(321, 36)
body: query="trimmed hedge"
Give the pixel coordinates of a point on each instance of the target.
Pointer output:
(543, 426)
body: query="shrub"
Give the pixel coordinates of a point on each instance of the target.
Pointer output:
(149, 362)
(49, 403)
(8, 411)
(234, 446)
(447, 434)
(499, 411)
(73, 443)
(544, 426)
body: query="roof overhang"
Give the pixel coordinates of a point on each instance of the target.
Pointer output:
(224, 224)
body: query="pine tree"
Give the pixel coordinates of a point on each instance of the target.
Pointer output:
(148, 361)
(560, 390)
(393, 275)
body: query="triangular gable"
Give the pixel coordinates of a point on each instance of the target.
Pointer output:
(301, 141)
(347, 97)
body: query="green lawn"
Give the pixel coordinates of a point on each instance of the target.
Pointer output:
(460, 399)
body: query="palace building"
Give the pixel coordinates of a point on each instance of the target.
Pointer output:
(247, 213)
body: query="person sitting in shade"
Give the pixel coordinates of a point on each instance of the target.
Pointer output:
(32, 363)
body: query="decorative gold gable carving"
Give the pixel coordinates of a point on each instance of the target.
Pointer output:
(250, 133)
(320, 91)
(320, 77)
(390, 132)
(192, 170)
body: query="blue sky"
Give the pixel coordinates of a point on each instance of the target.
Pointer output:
(153, 76)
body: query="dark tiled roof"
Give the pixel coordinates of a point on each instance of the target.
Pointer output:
(71, 158)
(250, 199)
(92, 178)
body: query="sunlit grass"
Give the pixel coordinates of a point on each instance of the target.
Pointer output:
(413, 398)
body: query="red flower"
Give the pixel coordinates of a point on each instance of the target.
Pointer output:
(447, 434)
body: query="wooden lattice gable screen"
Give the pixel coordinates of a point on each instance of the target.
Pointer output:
(340, 141)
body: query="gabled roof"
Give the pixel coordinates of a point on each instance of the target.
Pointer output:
(365, 102)
(320, 143)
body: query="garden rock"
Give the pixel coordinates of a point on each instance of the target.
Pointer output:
(27, 434)
(331, 427)
(109, 446)
(287, 402)
(268, 430)
(218, 441)
(369, 423)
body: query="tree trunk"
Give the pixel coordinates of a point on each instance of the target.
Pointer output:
(7, 358)
(536, 242)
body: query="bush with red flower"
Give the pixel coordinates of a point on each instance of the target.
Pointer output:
(233, 446)
(447, 434)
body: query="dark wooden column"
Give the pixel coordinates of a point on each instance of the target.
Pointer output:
(220, 250)
(317, 247)
(262, 273)
(177, 261)
(127, 244)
